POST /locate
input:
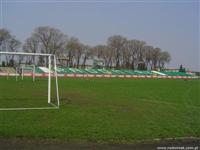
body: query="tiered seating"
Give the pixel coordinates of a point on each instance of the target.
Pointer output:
(67, 71)
(129, 72)
(76, 70)
(93, 71)
(38, 70)
(7, 69)
(62, 70)
(170, 73)
(143, 72)
(117, 72)
(104, 71)
(41, 70)
(136, 72)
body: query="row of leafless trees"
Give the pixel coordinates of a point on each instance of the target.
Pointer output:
(119, 52)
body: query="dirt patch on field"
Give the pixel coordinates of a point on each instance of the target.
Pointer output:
(30, 144)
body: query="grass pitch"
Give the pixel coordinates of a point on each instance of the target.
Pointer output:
(116, 110)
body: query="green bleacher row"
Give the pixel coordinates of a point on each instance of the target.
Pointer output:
(111, 71)
(170, 73)
(101, 71)
(39, 70)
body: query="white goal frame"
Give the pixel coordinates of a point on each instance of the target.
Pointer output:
(23, 67)
(50, 58)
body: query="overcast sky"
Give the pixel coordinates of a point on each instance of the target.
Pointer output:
(171, 26)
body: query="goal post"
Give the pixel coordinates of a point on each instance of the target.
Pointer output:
(51, 71)
(23, 68)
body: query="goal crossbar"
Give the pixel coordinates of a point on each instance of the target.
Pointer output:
(26, 54)
(50, 56)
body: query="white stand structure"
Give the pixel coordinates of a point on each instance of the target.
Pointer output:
(50, 59)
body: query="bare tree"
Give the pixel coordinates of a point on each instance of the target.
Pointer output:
(135, 50)
(105, 53)
(78, 53)
(155, 57)
(87, 52)
(74, 51)
(4, 38)
(127, 54)
(139, 48)
(163, 59)
(31, 45)
(50, 40)
(131, 47)
(116, 43)
(98, 51)
(71, 45)
(13, 46)
(8, 43)
(107, 56)
(147, 55)
(119, 52)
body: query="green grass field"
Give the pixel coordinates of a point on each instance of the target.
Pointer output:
(116, 110)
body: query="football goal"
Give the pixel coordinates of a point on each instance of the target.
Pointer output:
(28, 81)
(25, 69)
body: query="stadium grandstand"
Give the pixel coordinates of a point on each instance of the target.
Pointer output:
(89, 72)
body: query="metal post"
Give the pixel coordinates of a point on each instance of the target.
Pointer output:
(22, 73)
(33, 73)
(16, 73)
(49, 81)
(56, 76)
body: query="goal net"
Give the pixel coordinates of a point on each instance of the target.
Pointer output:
(28, 81)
